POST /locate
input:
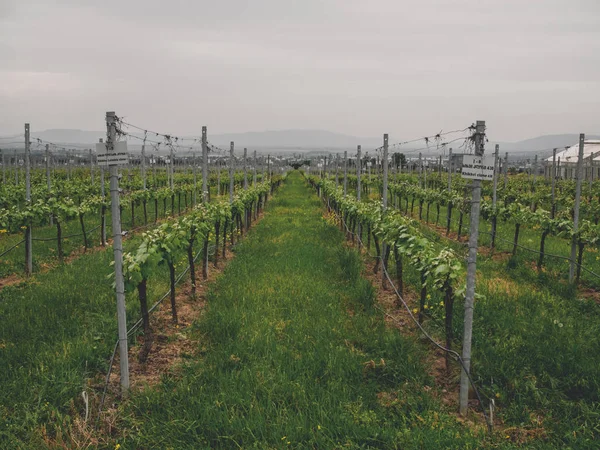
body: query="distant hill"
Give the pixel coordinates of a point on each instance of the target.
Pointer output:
(310, 140)
(540, 144)
(66, 136)
(295, 139)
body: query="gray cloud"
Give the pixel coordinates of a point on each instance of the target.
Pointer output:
(408, 68)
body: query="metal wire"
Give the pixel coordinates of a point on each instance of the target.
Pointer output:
(545, 254)
(65, 237)
(12, 248)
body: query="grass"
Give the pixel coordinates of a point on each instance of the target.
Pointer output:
(56, 331)
(292, 354)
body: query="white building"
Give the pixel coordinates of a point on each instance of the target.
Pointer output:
(566, 161)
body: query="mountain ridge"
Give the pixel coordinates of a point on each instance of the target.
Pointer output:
(308, 139)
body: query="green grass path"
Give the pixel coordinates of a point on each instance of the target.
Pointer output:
(284, 352)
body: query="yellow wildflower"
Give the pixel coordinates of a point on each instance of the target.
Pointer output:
(415, 310)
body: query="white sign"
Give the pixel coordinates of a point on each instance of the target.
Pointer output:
(119, 157)
(478, 167)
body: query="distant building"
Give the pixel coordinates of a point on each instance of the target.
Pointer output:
(566, 161)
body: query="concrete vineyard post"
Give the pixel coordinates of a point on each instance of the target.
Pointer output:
(471, 272)
(384, 163)
(111, 134)
(591, 179)
(218, 163)
(345, 173)
(103, 218)
(358, 171)
(194, 172)
(144, 160)
(204, 167)
(171, 164)
(254, 170)
(245, 168)
(231, 168)
(92, 166)
(505, 169)
(450, 170)
(578, 176)
(358, 187)
(420, 171)
(553, 181)
(48, 181)
(28, 239)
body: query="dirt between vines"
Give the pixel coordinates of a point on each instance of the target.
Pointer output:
(10, 280)
(172, 342)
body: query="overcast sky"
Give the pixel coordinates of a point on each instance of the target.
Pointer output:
(360, 67)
